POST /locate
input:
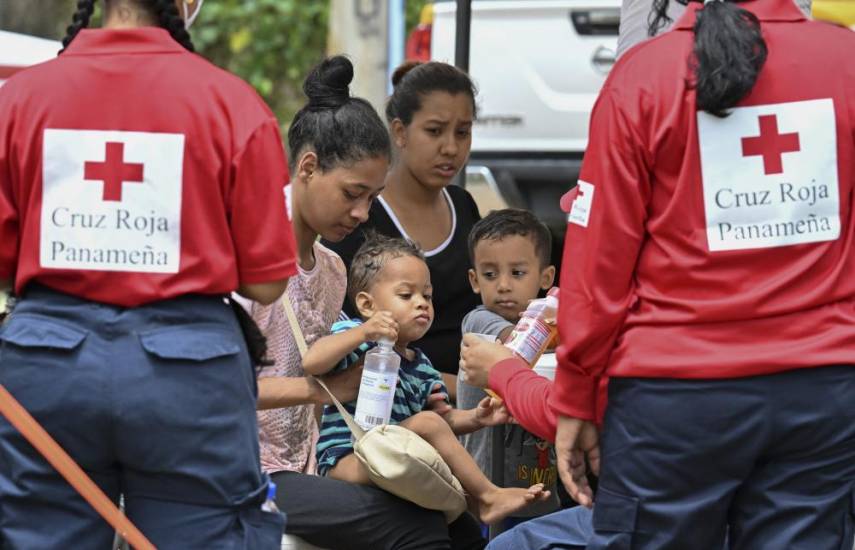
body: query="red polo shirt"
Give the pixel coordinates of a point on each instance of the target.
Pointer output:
(132, 170)
(700, 247)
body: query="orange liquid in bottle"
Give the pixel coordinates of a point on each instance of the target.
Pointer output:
(536, 330)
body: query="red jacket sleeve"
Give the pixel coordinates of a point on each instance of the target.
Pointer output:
(605, 231)
(262, 234)
(525, 393)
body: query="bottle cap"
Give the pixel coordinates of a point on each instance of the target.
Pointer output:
(554, 292)
(385, 343)
(271, 491)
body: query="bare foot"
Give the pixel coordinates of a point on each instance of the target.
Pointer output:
(499, 503)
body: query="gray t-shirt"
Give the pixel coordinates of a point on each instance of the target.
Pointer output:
(528, 460)
(479, 444)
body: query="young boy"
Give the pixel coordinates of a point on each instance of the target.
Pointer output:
(509, 250)
(390, 286)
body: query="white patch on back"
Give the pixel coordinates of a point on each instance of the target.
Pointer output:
(770, 175)
(112, 201)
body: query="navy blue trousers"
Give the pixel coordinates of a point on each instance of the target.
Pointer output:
(156, 403)
(771, 458)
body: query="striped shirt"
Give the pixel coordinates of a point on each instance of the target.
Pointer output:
(416, 380)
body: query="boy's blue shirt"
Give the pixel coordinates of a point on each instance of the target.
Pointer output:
(416, 380)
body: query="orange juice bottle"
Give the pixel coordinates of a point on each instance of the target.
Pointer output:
(536, 329)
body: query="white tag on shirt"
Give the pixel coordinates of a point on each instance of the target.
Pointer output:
(581, 210)
(770, 175)
(289, 199)
(112, 201)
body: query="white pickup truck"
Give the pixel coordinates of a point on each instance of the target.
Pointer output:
(538, 65)
(19, 51)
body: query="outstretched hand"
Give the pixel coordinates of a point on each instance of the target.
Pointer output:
(492, 412)
(575, 441)
(477, 358)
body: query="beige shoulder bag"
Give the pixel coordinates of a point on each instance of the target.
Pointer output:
(397, 459)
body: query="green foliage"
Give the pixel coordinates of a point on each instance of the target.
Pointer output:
(272, 44)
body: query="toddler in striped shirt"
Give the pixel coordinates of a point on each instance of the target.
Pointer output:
(389, 283)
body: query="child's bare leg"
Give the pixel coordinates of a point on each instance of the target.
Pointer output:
(494, 503)
(350, 469)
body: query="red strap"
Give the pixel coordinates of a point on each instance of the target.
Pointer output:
(65, 465)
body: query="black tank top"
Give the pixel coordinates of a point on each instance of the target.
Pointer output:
(448, 263)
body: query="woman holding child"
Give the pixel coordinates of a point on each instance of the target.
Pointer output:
(339, 155)
(430, 116)
(728, 339)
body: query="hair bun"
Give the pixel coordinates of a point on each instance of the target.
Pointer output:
(402, 71)
(328, 84)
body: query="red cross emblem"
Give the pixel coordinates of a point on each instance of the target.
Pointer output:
(114, 171)
(770, 145)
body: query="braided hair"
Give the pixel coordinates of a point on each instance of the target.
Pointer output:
(165, 10)
(80, 20)
(171, 20)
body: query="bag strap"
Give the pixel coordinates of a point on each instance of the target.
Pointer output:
(355, 428)
(65, 465)
(295, 326)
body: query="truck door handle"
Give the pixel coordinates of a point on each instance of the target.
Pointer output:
(603, 59)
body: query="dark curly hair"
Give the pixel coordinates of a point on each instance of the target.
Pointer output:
(729, 53)
(374, 253)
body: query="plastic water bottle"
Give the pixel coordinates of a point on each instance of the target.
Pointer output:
(269, 505)
(377, 389)
(536, 329)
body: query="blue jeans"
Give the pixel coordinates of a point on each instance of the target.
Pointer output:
(568, 529)
(156, 403)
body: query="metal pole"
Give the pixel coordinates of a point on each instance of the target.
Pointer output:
(462, 32)
(463, 25)
(397, 40)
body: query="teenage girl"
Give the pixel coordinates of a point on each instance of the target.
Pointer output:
(430, 116)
